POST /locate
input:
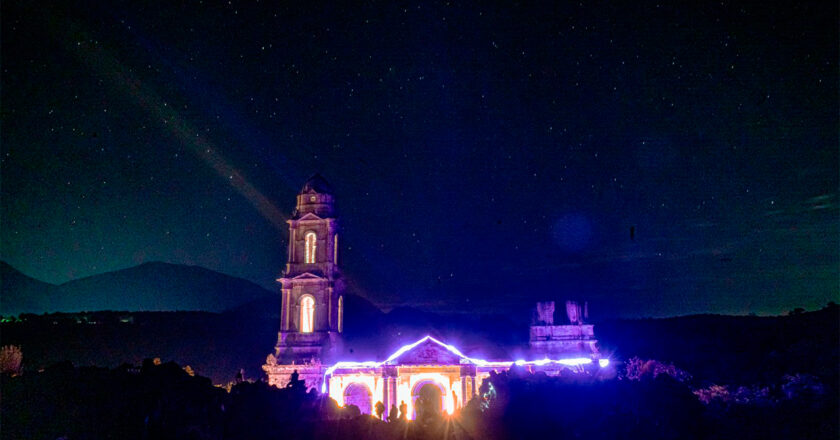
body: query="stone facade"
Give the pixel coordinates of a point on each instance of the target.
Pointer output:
(312, 290)
(279, 375)
(549, 340)
(399, 379)
(312, 317)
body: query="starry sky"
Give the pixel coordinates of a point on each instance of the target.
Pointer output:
(653, 158)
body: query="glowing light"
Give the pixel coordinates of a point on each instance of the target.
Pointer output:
(571, 362)
(307, 314)
(574, 361)
(417, 381)
(360, 395)
(339, 386)
(309, 248)
(405, 348)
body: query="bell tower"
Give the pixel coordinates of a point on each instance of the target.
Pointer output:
(312, 289)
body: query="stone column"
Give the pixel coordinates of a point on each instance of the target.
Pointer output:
(329, 309)
(284, 310)
(292, 244)
(467, 384)
(386, 393)
(392, 390)
(389, 390)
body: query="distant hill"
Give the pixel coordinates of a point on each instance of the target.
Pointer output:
(148, 287)
(720, 349)
(20, 293)
(732, 349)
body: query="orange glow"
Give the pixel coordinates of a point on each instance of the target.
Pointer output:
(307, 314)
(309, 251)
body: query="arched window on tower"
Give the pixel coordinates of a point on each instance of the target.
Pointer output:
(307, 314)
(340, 314)
(311, 242)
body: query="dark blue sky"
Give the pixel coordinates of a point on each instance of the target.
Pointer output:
(482, 156)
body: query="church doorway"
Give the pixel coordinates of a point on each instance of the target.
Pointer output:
(359, 394)
(427, 400)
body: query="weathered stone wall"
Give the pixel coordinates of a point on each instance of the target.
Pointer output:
(561, 332)
(279, 375)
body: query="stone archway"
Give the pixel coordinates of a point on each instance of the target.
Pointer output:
(427, 396)
(359, 394)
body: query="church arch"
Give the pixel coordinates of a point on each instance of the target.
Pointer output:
(307, 314)
(310, 246)
(360, 395)
(427, 395)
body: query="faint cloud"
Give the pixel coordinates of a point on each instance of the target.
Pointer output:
(817, 203)
(823, 201)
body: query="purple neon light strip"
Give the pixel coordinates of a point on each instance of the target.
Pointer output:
(572, 362)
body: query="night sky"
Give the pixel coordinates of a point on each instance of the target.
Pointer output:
(651, 158)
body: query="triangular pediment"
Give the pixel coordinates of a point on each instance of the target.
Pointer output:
(309, 216)
(427, 351)
(302, 277)
(307, 276)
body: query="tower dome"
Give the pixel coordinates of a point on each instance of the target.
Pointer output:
(316, 184)
(315, 197)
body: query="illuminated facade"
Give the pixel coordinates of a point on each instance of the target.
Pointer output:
(312, 318)
(429, 362)
(312, 289)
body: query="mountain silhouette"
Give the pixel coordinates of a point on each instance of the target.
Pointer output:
(153, 286)
(20, 293)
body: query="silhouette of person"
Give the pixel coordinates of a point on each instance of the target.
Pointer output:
(380, 409)
(295, 382)
(403, 410)
(392, 415)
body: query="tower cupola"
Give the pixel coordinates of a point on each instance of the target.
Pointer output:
(315, 197)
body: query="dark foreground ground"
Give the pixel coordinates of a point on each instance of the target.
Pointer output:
(690, 377)
(164, 401)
